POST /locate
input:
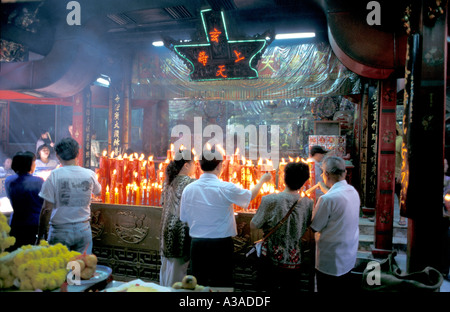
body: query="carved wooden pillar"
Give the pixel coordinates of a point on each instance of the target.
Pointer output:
(81, 123)
(368, 148)
(356, 151)
(126, 123)
(423, 135)
(116, 123)
(78, 124)
(385, 167)
(87, 129)
(119, 119)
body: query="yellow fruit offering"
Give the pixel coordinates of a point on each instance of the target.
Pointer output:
(41, 267)
(87, 273)
(91, 261)
(88, 265)
(189, 282)
(5, 240)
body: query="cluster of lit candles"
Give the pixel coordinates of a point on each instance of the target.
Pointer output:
(130, 180)
(245, 174)
(134, 180)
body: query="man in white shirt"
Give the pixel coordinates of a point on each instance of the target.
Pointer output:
(67, 193)
(336, 219)
(207, 207)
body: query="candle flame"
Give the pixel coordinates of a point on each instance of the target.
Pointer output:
(160, 166)
(208, 146)
(182, 147)
(114, 171)
(120, 157)
(221, 150)
(125, 155)
(112, 154)
(141, 158)
(136, 155)
(105, 152)
(236, 151)
(291, 159)
(171, 146)
(150, 158)
(116, 190)
(135, 174)
(193, 151)
(107, 188)
(447, 197)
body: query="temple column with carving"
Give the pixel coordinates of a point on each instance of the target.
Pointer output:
(423, 136)
(81, 123)
(368, 148)
(78, 124)
(385, 168)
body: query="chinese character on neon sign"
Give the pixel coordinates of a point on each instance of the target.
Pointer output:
(220, 71)
(215, 35)
(202, 58)
(215, 56)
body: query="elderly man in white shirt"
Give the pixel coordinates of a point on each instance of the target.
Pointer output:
(207, 207)
(336, 219)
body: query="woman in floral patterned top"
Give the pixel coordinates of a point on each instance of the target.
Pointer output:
(174, 234)
(283, 249)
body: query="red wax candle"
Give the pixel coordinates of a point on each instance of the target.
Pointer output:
(103, 184)
(144, 195)
(119, 168)
(113, 181)
(151, 172)
(137, 170)
(104, 167)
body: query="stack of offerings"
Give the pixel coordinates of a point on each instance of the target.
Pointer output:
(42, 267)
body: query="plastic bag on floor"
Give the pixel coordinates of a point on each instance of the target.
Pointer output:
(386, 276)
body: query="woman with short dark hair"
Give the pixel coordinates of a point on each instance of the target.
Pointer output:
(23, 189)
(282, 251)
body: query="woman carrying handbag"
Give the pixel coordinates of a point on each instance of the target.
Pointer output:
(284, 218)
